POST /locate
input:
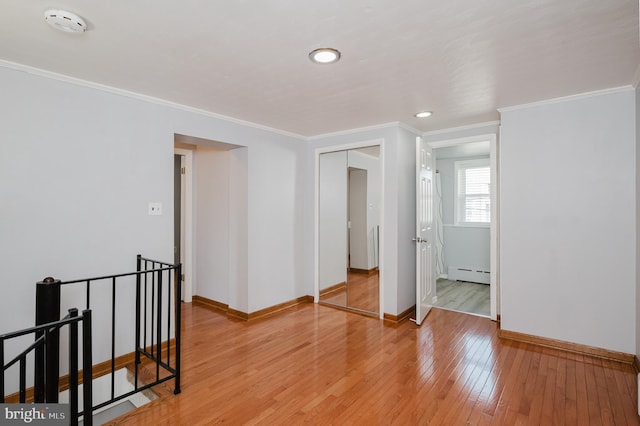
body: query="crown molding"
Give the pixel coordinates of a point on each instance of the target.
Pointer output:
(158, 101)
(356, 130)
(367, 129)
(410, 129)
(462, 128)
(575, 97)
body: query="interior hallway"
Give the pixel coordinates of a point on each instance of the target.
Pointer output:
(321, 365)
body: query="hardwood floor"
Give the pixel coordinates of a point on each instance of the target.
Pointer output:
(361, 292)
(318, 365)
(463, 296)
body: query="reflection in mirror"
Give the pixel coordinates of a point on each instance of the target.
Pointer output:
(349, 225)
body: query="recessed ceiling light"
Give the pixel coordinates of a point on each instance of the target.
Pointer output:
(65, 21)
(324, 55)
(423, 114)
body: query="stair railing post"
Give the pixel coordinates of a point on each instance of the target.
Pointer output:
(73, 368)
(178, 321)
(47, 362)
(137, 333)
(87, 369)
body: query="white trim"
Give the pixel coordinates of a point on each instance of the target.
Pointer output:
(187, 250)
(409, 128)
(141, 97)
(450, 225)
(347, 146)
(578, 96)
(316, 213)
(381, 237)
(494, 229)
(461, 128)
(460, 141)
(356, 130)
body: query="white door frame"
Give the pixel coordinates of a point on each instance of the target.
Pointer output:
(186, 225)
(344, 147)
(494, 229)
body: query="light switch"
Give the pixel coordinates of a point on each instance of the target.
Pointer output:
(155, 209)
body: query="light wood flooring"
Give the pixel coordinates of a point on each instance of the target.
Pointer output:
(317, 365)
(463, 296)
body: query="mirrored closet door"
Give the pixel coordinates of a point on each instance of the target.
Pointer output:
(349, 226)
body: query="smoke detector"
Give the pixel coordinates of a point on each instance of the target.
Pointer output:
(65, 21)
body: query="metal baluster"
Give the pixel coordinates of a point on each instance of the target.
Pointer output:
(87, 370)
(144, 302)
(73, 367)
(137, 360)
(159, 326)
(169, 271)
(2, 372)
(153, 309)
(88, 294)
(113, 337)
(23, 379)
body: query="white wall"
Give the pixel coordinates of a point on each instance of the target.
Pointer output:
(333, 219)
(78, 167)
(238, 230)
(276, 182)
(568, 223)
(464, 246)
(211, 230)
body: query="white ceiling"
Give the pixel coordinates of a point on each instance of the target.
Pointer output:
(462, 59)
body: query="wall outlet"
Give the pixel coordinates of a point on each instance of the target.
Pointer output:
(155, 209)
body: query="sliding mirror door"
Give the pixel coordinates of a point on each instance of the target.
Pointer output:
(349, 225)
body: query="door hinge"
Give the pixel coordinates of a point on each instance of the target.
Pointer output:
(182, 277)
(183, 170)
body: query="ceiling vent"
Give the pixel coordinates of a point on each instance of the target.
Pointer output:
(65, 21)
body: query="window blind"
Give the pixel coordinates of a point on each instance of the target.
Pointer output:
(473, 191)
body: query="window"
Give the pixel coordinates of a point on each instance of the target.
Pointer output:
(473, 200)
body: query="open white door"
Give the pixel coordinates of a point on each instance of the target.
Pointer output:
(425, 273)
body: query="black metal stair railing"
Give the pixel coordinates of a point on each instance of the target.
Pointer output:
(47, 343)
(155, 306)
(158, 290)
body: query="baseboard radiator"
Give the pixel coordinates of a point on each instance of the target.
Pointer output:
(474, 275)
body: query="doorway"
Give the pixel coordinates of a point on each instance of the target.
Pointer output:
(465, 201)
(213, 196)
